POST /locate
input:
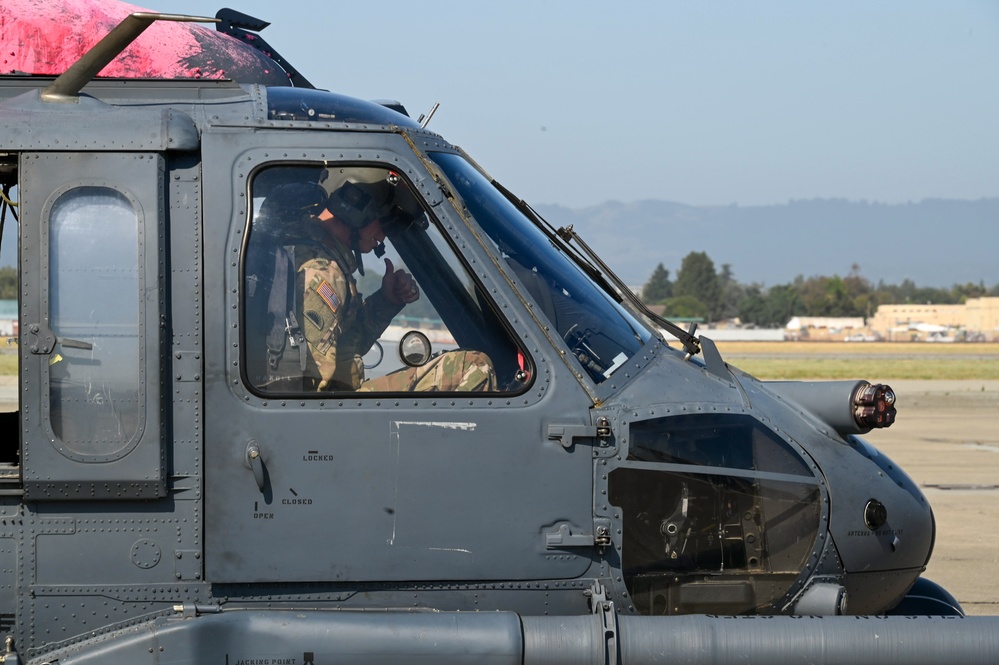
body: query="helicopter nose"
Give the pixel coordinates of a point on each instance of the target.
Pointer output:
(883, 528)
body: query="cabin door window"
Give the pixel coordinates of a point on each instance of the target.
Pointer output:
(94, 287)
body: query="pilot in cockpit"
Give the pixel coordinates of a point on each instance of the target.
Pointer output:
(332, 325)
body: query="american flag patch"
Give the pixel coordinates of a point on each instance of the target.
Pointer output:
(327, 293)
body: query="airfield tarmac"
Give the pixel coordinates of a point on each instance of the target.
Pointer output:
(946, 438)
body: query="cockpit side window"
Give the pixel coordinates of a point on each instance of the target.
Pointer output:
(350, 286)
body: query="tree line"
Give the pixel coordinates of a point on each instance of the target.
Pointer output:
(699, 291)
(8, 283)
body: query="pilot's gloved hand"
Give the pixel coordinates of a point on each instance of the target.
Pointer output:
(398, 286)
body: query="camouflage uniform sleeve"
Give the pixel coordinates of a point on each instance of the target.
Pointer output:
(325, 299)
(373, 317)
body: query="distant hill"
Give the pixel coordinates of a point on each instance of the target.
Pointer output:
(934, 242)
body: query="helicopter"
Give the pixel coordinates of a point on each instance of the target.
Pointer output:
(508, 460)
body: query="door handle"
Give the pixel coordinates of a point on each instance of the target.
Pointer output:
(255, 462)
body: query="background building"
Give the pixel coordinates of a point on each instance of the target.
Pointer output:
(975, 320)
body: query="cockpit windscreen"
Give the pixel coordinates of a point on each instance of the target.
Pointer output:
(601, 334)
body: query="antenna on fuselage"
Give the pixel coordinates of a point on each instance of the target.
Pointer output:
(67, 86)
(424, 120)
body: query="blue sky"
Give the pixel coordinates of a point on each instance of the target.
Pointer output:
(744, 102)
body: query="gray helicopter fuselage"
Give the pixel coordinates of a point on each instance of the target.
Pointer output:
(159, 500)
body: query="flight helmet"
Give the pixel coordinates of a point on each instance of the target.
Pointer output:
(359, 196)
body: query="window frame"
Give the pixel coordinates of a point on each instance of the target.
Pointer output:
(485, 304)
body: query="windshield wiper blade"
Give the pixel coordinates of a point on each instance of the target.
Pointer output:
(690, 343)
(555, 236)
(562, 237)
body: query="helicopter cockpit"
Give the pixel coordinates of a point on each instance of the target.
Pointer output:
(449, 337)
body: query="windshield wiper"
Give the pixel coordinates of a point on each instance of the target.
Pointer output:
(562, 237)
(547, 229)
(690, 343)
(554, 236)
